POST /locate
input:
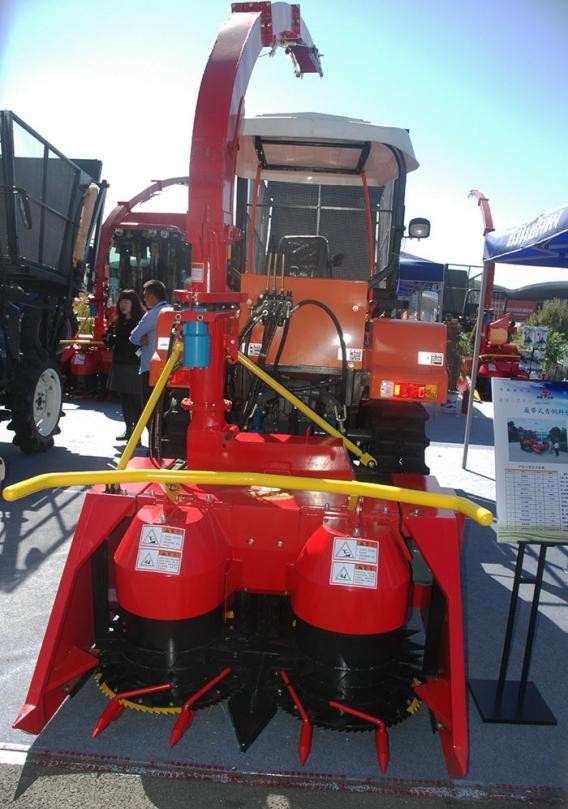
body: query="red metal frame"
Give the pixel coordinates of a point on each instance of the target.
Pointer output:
(436, 538)
(381, 735)
(63, 657)
(500, 360)
(305, 743)
(250, 252)
(369, 223)
(214, 144)
(220, 107)
(483, 203)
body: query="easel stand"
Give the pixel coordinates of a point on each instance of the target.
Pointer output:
(513, 702)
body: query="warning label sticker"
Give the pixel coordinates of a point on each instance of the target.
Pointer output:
(197, 273)
(353, 575)
(254, 349)
(353, 354)
(357, 550)
(163, 343)
(430, 358)
(355, 562)
(160, 549)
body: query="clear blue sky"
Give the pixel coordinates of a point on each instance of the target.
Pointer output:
(480, 84)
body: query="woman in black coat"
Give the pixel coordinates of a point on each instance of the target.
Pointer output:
(124, 377)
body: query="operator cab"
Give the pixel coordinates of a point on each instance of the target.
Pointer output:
(140, 252)
(320, 199)
(321, 193)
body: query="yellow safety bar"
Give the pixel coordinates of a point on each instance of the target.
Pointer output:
(499, 357)
(82, 341)
(168, 477)
(364, 457)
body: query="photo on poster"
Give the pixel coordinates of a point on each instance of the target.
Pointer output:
(545, 439)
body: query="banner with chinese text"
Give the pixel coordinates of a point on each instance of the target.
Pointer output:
(531, 460)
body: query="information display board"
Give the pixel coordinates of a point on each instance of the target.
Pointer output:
(531, 460)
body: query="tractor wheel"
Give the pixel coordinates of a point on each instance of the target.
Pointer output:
(36, 403)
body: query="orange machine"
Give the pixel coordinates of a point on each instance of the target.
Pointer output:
(408, 360)
(320, 204)
(313, 278)
(313, 342)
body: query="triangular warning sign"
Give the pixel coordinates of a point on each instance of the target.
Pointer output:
(344, 574)
(151, 538)
(148, 561)
(345, 551)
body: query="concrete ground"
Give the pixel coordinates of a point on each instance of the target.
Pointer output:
(131, 762)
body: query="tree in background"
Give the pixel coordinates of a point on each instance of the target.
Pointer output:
(552, 314)
(554, 355)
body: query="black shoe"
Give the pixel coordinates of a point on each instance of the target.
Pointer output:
(125, 436)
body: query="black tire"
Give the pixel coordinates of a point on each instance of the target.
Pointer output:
(398, 432)
(36, 403)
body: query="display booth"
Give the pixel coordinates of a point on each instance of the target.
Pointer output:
(531, 472)
(542, 242)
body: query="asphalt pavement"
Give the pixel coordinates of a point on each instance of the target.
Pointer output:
(131, 763)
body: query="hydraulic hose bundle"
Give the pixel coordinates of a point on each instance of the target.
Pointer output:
(273, 310)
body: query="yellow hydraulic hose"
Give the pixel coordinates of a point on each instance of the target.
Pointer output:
(177, 348)
(364, 457)
(166, 477)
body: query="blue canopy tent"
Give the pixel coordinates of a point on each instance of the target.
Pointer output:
(418, 272)
(543, 242)
(418, 275)
(540, 243)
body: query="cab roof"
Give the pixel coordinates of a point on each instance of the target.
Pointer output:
(323, 149)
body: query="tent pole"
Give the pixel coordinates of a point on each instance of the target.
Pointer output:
(488, 269)
(486, 291)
